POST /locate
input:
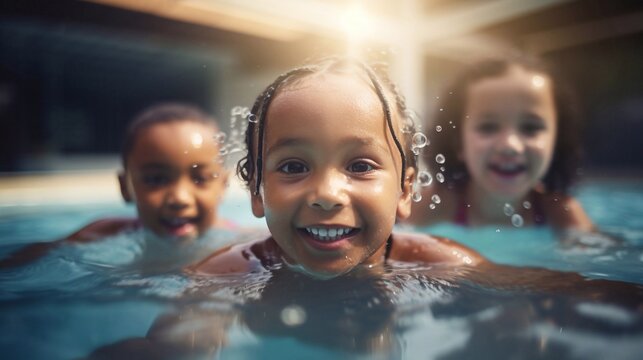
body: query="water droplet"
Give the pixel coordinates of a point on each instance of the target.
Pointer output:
(237, 110)
(508, 209)
(417, 196)
(526, 205)
(442, 168)
(437, 97)
(439, 158)
(438, 128)
(432, 206)
(439, 177)
(415, 150)
(293, 315)
(497, 230)
(220, 137)
(252, 118)
(223, 152)
(517, 220)
(436, 198)
(419, 140)
(441, 109)
(425, 178)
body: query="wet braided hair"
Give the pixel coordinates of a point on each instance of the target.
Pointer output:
(248, 166)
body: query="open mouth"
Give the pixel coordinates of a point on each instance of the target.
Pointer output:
(180, 226)
(329, 234)
(508, 170)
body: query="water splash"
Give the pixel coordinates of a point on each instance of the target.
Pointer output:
(425, 178)
(517, 220)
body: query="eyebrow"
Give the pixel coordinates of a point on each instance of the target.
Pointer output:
(296, 142)
(154, 166)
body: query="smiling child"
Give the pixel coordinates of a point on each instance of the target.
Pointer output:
(330, 168)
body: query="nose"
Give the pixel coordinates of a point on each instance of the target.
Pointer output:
(178, 196)
(511, 143)
(329, 191)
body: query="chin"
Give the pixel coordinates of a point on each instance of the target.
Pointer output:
(320, 274)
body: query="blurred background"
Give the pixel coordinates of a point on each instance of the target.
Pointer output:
(74, 73)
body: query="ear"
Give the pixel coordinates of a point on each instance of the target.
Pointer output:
(405, 201)
(125, 189)
(257, 204)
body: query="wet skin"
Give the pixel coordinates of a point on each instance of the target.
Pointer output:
(175, 179)
(331, 189)
(508, 135)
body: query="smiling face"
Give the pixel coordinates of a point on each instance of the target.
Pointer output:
(509, 133)
(331, 189)
(175, 179)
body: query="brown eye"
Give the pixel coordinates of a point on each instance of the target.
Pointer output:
(360, 167)
(293, 167)
(487, 128)
(155, 179)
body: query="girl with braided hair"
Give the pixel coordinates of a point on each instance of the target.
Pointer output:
(329, 164)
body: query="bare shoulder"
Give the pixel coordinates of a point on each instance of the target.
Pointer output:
(101, 228)
(415, 247)
(565, 212)
(423, 214)
(234, 259)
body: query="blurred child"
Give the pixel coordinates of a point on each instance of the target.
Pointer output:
(329, 166)
(170, 171)
(506, 140)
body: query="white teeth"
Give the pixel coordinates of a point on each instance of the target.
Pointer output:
(326, 234)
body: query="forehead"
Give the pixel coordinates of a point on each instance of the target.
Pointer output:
(334, 102)
(168, 141)
(518, 87)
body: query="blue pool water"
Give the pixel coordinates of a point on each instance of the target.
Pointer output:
(83, 300)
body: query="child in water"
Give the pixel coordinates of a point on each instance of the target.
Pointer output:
(171, 172)
(506, 140)
(329, 165)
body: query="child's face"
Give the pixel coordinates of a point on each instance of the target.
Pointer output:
(331, 188)
(175, 179)
(509, 132)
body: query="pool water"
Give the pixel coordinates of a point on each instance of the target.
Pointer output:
(86, 299)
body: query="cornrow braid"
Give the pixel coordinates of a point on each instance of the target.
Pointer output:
(246, 166)
(387, 112)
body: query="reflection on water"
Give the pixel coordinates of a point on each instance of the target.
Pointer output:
(400, 311)
(88, 300)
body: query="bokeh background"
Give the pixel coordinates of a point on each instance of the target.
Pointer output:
(73, 73)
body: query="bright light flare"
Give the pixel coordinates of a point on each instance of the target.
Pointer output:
(356, 23)
(197, 140)
(538, 81)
